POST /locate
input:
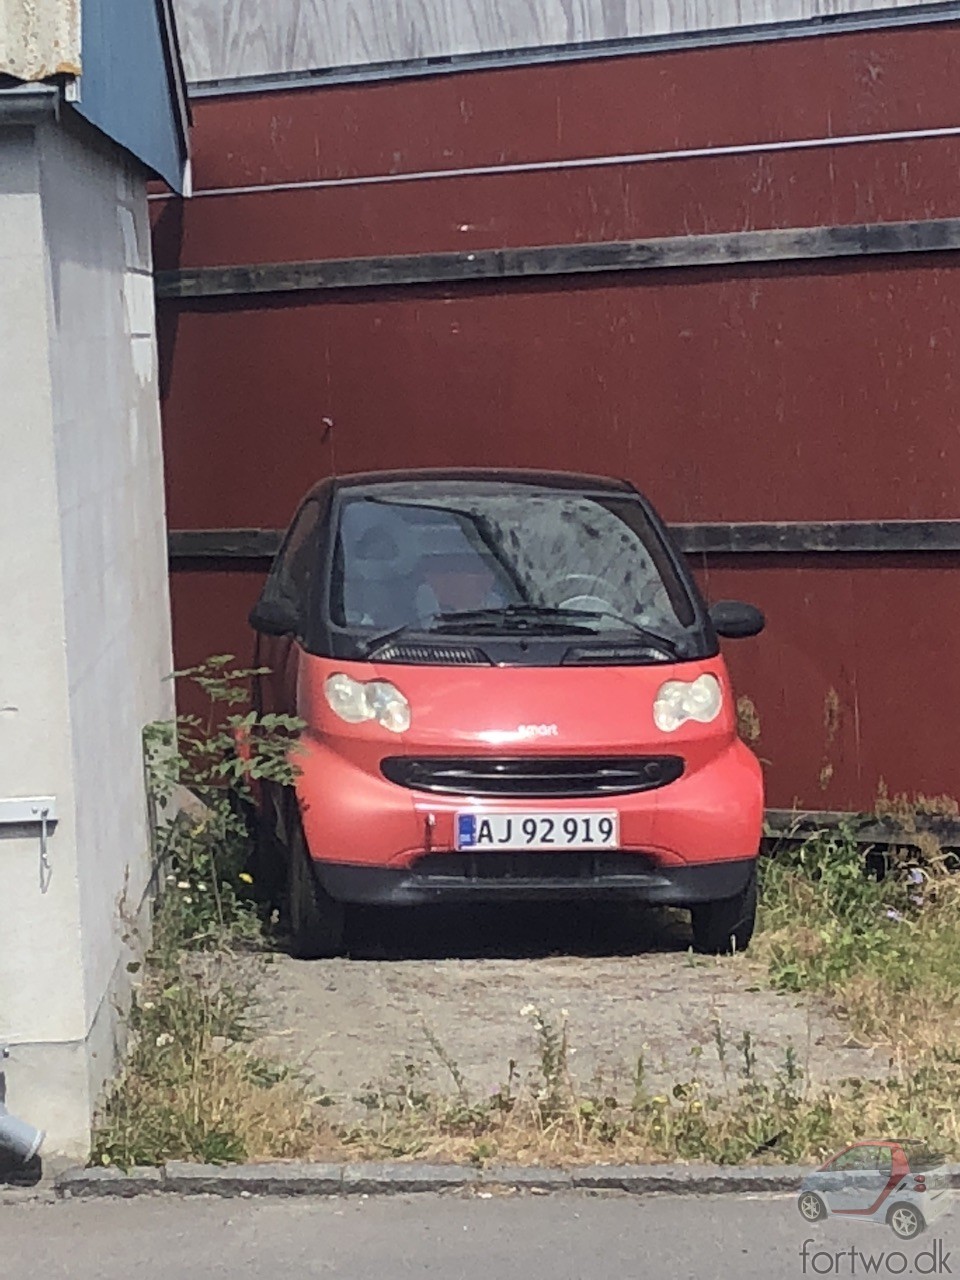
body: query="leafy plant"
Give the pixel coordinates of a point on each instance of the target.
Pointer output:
(205, 841)
(193, 1087)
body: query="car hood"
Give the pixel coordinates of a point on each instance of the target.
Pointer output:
(524, 710)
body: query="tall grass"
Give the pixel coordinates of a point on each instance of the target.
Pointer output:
(883, 948)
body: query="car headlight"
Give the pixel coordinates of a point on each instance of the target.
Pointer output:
(376, 700)
(681, 700)
(388, 706)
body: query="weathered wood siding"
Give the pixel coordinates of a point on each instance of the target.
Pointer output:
(226, 39)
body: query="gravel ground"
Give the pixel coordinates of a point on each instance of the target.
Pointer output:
(462, 980)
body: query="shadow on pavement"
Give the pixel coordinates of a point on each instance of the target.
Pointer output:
(514, 931)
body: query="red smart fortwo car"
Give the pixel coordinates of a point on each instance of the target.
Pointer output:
(512, 690)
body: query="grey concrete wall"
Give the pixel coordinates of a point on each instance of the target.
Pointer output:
(82, 555)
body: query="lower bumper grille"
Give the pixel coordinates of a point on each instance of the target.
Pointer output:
(533, 777)
(586, 865)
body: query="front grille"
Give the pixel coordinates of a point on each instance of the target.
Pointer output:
(432, 655)
(622, 655)
(533, 777)
(585, 865)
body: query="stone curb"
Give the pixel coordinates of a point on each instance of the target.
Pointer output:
(252, 1179)
(108, 1182)
(402, 1177)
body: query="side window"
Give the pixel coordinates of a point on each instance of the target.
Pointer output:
(848, 1160)
(860, 1158)
(294, 571)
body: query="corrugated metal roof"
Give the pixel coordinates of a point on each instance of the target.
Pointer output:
(39, 38)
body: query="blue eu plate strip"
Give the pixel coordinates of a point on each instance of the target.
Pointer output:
(466, 830)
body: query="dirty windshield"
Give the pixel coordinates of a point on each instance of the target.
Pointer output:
(497, 556)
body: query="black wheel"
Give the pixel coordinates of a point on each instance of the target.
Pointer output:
(725, 926)
(317, 921)
(905, 1220)
(811, 1207)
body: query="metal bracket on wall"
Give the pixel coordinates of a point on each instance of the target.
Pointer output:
(36, 811)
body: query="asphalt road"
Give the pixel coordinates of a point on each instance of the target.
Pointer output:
(557, 1237)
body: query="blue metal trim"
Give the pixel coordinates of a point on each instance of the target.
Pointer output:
(129, 88)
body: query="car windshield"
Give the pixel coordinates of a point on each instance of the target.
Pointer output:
(498, 557)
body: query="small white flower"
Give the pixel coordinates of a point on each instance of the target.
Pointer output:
(188, 900)
(527, 1010)
(201, 888)
(564, 1013)
(171, 879)
(163, 1039)
(148, 1004)
(183, 884)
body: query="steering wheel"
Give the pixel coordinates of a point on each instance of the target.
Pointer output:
(581, 596)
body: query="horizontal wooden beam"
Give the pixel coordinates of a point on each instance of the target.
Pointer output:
(817, 537)
(223, 544)
(795, 538)
(664, 253)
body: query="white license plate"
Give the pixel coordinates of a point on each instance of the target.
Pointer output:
(538, 830)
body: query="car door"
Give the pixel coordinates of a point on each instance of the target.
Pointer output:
(828, 1181)
(292, 578)
(865, 1174)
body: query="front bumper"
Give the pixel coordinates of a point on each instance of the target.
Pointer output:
(535, 877)
(353, 815)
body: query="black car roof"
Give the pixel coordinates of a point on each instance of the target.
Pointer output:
(487, 475)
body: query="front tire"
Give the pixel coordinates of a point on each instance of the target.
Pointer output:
(905, 1220)
(720, 928)
(317, 921)
(812, 1208)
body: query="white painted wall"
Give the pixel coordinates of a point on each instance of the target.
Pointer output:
(85, 640)
(41, 983)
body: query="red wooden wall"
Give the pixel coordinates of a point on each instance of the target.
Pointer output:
(801, 392)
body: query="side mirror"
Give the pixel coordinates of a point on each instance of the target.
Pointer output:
(734, 620)
(274, 617)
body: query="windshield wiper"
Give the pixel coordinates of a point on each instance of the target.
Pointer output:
(371, 643)
(554, 613)
(654, 637)
(522, 614)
